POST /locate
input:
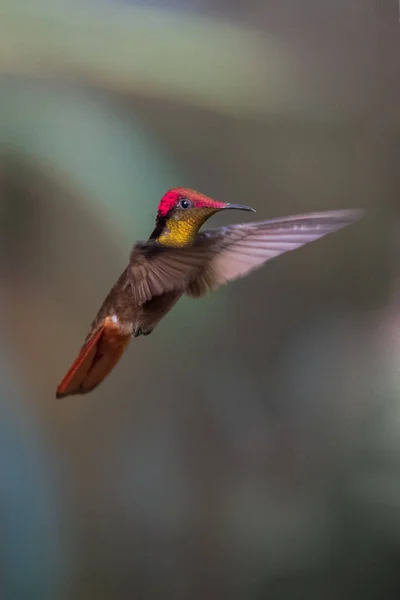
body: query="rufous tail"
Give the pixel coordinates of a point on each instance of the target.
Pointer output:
(95, 361)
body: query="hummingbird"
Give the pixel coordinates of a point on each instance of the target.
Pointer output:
(180, 259)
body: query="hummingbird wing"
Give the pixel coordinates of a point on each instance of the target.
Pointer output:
(237, 250)
(155, 270)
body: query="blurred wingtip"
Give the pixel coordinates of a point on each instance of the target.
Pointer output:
(355, 214)
(342, 217)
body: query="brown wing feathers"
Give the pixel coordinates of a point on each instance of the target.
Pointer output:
(155, 270)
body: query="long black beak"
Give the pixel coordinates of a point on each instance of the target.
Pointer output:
(240, 207)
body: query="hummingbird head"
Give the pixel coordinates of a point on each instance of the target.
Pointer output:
(182, 212)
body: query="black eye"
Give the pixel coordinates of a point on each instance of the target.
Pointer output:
(185, 203)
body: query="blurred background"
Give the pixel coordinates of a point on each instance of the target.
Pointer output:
(249, 448)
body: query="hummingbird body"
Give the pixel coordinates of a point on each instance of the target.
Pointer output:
(133, 319)
(178, 260)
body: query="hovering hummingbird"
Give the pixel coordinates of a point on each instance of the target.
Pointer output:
(178, 260)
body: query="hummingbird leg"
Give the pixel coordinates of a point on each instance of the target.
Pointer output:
(139, 331)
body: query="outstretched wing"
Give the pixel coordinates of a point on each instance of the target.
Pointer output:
(236, 250)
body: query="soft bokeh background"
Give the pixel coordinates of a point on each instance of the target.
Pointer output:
(250, 447)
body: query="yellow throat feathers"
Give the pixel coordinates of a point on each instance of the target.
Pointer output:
(181, 228)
